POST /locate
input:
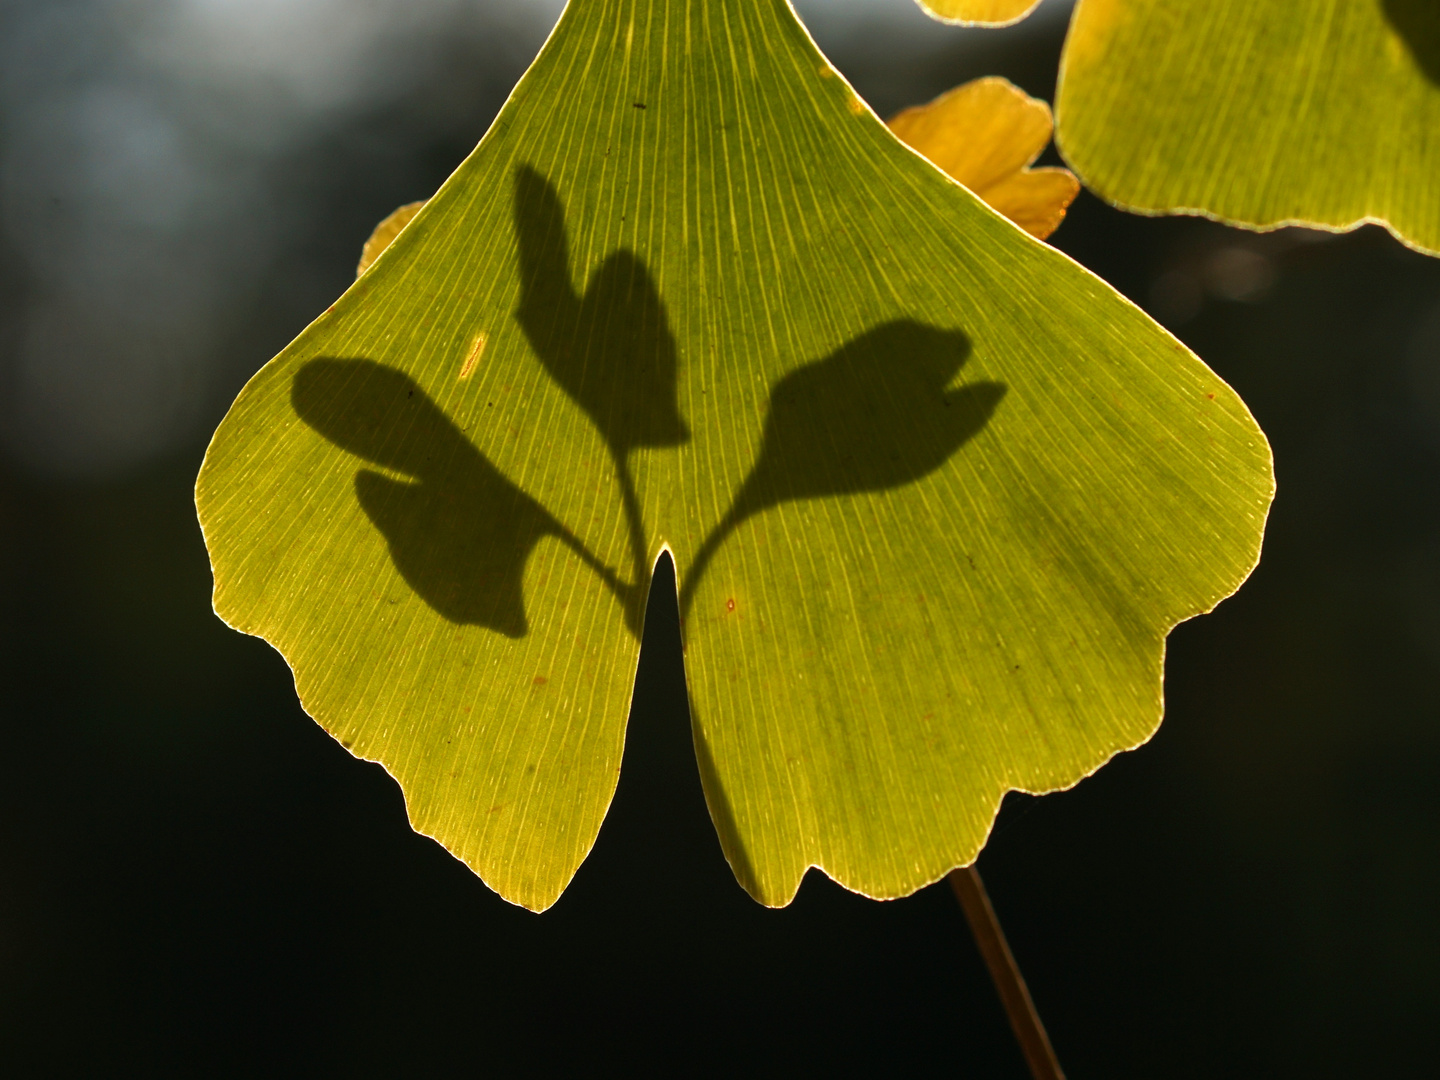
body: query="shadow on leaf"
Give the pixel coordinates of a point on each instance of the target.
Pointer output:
(878, 413)
(1418, 24)
(875, 414)
(459, 532)
(610, 350)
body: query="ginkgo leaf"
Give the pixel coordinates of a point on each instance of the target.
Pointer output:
(935, 493)
(979, 12)
(986, 134)
(1259, 112)
(385, 232)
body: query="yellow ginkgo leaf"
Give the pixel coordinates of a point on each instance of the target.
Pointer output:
(385, 232)
(979, 12)
(985, 134)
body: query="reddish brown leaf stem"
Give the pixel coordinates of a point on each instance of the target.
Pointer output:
(1005, 973)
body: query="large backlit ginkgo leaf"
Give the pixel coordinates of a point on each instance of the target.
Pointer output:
(1259, 112)
(935, 493)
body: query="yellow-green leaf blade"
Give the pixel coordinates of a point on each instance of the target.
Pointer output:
(1317, 112)
(934, 492)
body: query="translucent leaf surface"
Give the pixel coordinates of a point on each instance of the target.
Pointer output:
(1259, 112)
(980, 12)
(985, 134)
(935, 493)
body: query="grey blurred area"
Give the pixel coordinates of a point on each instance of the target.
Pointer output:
(147, 190)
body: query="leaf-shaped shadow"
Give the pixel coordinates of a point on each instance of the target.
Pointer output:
(610, 350)
(1418, 24)
(875, 414)
(459, 532)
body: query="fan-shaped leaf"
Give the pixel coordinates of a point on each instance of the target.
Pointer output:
(935, 493)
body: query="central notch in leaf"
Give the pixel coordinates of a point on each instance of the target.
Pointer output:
(611, 350)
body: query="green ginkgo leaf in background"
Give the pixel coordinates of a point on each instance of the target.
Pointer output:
(1259, 112)
(934, 492)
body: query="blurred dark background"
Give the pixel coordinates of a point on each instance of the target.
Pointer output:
(195, 879)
